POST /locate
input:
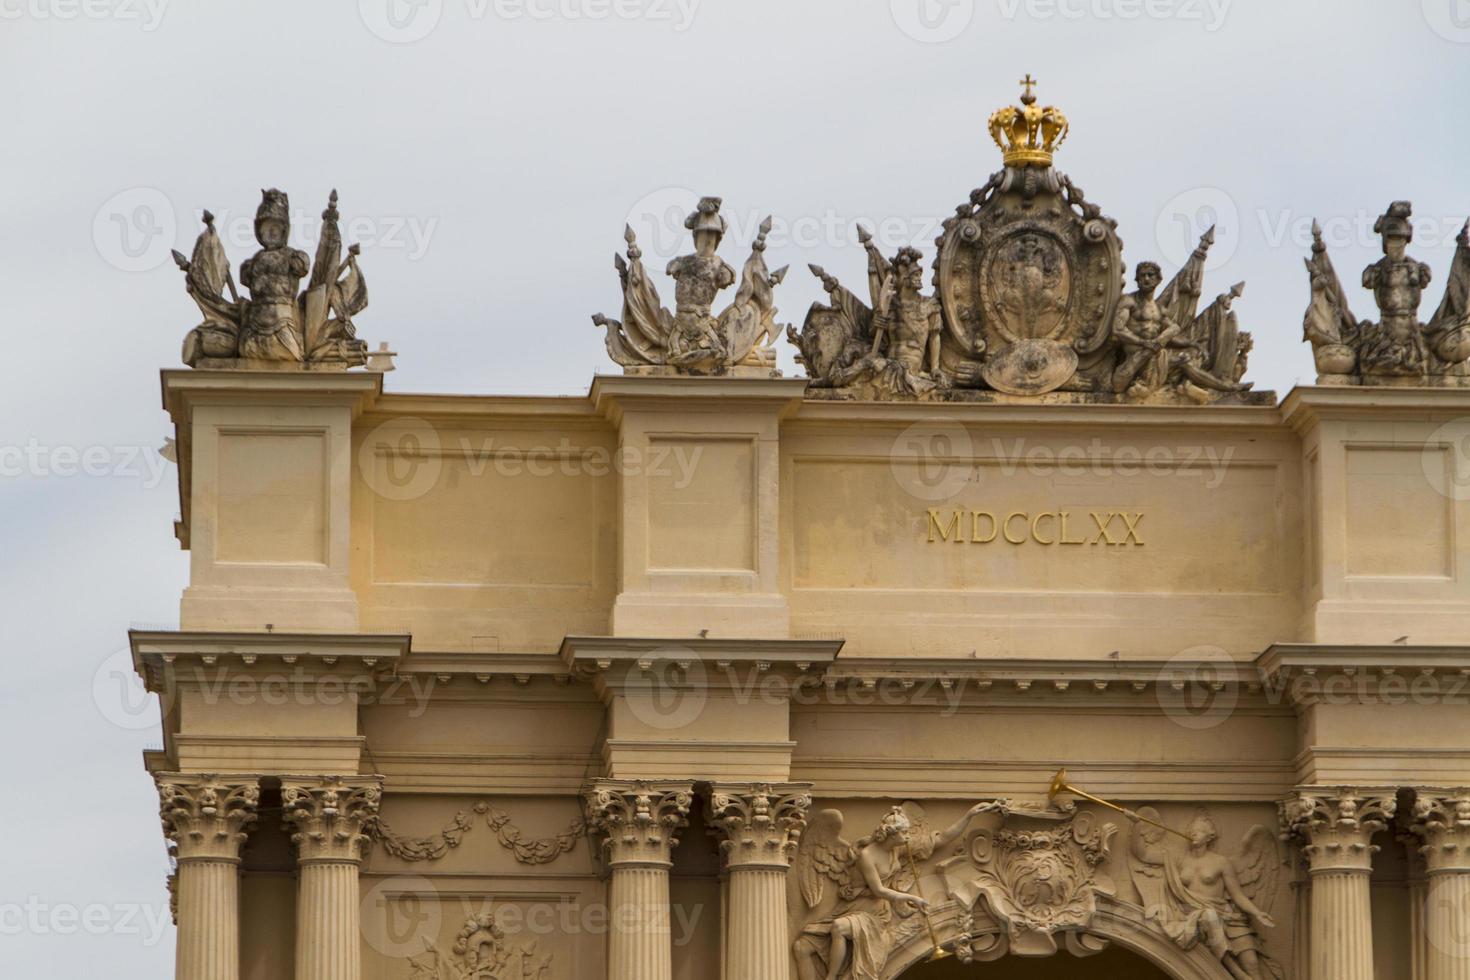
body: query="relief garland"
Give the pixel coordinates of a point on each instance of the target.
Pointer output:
(534, 852)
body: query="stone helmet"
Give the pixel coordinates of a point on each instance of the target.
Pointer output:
(707, 217)
(1395, 223)
(274, 206)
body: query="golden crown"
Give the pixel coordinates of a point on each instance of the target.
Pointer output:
(1028, 134)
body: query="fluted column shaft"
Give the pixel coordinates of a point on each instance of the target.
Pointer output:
(758, 826)
(327, 926)
(205, 820)
(1337, 828)
(639, 823)
(1442, 822)
(329, 815)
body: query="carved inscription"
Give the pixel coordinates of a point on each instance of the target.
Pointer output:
(1051, 528)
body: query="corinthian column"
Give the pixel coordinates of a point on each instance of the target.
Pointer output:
(205, 819)
(759, 826)
(329, 814)
(1337, 827)
(1442, 822)
(640, 823)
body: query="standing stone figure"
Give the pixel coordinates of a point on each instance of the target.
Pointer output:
(696, 342)
(272, 328)
(1395, 345)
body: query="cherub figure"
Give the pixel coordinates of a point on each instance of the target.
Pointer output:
(854, 939)
(1199, 895)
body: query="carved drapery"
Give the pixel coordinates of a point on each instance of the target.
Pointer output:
(205, 819)
(639, 823)
(1336, 829)
(330, 816)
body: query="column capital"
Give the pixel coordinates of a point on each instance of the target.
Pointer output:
(1337, 824)
(640, 821)
(1441, 825)
(330, 815)
(758, 824)
(206, 818)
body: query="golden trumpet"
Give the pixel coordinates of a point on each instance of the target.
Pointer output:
(1059, 785)
(939, 952)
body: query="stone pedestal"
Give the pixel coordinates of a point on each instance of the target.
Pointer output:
(639, 823)
(205, 819)
(1442, 821)
(1336, 828)
(329, 815)
(759, 826)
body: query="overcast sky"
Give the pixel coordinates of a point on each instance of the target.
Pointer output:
(488, 154)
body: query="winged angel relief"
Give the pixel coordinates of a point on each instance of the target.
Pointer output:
(860, 892)
(1198, 895)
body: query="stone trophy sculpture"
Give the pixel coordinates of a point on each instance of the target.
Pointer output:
(1199, 896)
(1029, 301)
(275, 325)
(860, 891)
(892, 347)
(1398, 349)
(692, 339)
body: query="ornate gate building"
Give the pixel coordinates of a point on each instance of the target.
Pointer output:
(715, 672)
